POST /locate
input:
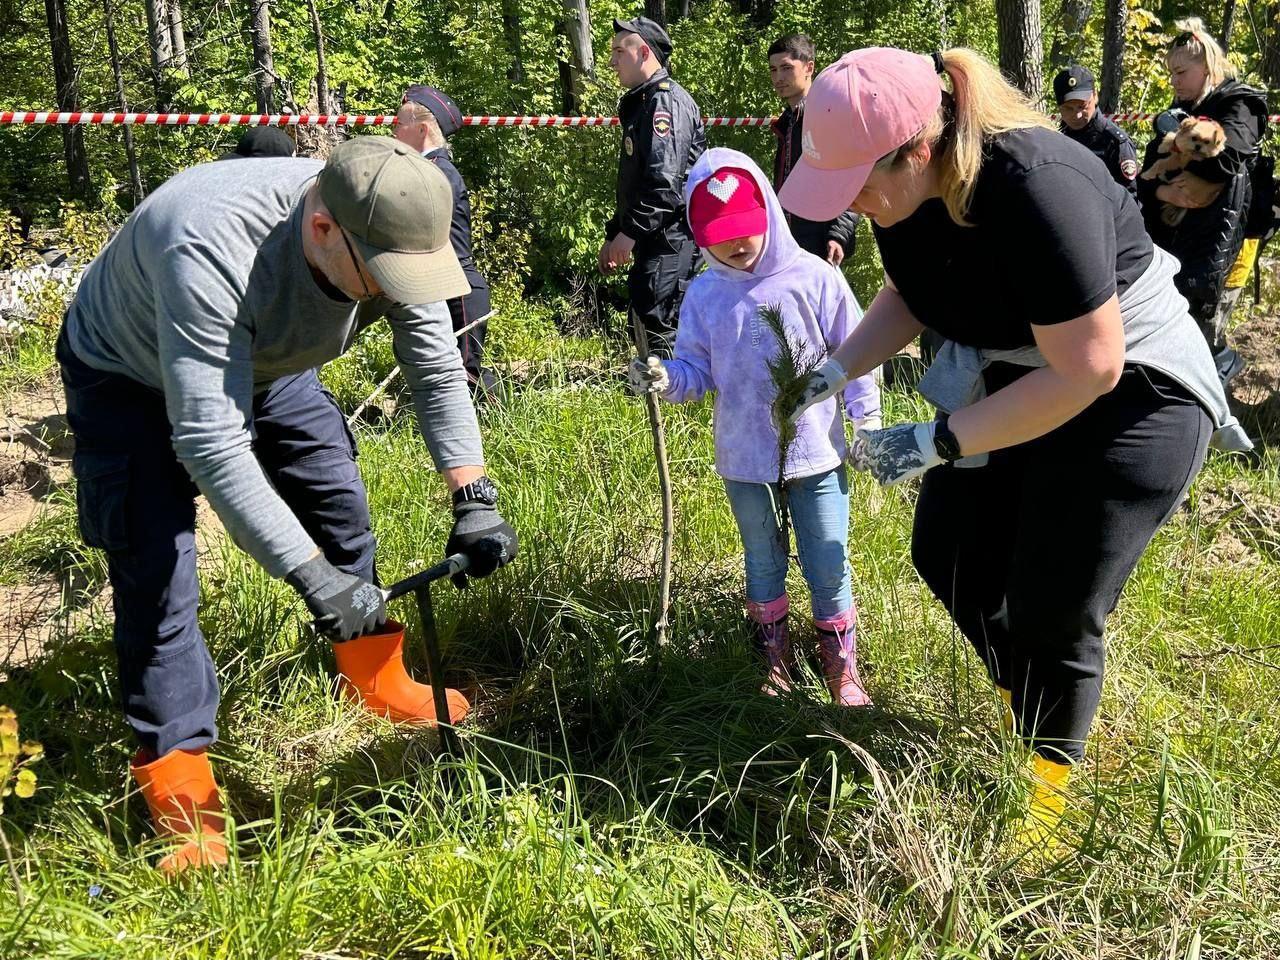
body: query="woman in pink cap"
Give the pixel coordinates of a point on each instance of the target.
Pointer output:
(1075, 395)
(722, 345)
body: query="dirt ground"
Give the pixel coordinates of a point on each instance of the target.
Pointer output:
(1255, 393)
(35, 460)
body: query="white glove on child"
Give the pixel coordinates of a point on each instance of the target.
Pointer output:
(857, 452)
(648, 376)
(822, 383)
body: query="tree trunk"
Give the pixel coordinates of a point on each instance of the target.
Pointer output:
(582, 58)
(1069, 41)
(1113, 55)
(682, 10)
(264, 68)
(1228, 23)
(160, 41)
(322, 75)
(178, 38)
(135, 178)
(1270, 65)
(656, 10)
(68, 94)
(511, 31)
(1018, 28)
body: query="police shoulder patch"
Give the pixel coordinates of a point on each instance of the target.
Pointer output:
(661, 123)
(1129, 169)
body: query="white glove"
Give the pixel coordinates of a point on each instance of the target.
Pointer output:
(897, 454)
(648, 376)
(822, 383)
(858, 452)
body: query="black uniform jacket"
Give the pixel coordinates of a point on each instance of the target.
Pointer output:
(662, 137)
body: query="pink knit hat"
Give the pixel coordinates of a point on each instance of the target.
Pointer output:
(725, 206)
(860, 109)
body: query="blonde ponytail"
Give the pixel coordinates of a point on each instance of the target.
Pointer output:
(1195, 43)
(982, 105)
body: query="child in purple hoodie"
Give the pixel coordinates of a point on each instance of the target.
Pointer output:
(723, 345)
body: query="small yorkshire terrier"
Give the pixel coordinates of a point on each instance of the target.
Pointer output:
(1197, 138)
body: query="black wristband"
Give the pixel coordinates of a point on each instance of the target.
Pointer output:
(945, 443)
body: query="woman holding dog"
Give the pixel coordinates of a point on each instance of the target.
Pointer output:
(1213, 193)
(1076, 397)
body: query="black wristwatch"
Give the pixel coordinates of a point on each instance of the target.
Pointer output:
(480, 490)
(944, 441)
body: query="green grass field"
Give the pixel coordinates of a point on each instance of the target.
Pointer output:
(613, 803)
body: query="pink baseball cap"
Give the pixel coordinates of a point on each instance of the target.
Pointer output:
(725, 206)
(860, 109)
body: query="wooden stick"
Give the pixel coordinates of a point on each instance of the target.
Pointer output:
(664, 482)
(386, 381)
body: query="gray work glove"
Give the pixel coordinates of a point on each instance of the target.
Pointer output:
(345, 606)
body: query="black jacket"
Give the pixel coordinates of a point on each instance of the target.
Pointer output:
(1112, 146)
(812, 235)
(475, 305)
(662, 137)
(1208, 240)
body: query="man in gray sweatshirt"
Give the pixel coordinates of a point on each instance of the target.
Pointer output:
(189, 357)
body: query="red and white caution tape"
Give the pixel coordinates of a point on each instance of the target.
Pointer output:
(52, 117)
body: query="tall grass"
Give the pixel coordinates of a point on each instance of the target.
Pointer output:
(609, 804)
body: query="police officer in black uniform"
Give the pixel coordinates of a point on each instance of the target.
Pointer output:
(1081, 121)
(662, 136)
(428, 117)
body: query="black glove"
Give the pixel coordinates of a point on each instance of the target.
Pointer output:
(344, 606)
(480, 533)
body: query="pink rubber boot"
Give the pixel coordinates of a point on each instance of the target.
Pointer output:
(773, 642)
(838, 648)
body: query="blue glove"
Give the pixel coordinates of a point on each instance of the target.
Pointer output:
(822, 383)
(896, 454)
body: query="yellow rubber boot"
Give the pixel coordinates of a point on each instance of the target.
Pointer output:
(1039, 830)
(1006, 711)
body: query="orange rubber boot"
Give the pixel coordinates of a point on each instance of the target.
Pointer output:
(373, 673)
(183, 798)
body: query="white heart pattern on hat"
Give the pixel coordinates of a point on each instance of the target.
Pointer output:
(722, 190)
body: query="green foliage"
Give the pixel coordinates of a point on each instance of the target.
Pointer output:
(789, 370)
(550, 190)
(16, 756)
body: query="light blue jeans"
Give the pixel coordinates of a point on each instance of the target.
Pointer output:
(820, 518)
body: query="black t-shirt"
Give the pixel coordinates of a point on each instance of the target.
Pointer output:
(1053, 236)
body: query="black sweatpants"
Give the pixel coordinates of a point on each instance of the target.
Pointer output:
(1030, 552)
(659, 276)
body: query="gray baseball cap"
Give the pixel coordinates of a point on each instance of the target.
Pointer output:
(397, 207)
